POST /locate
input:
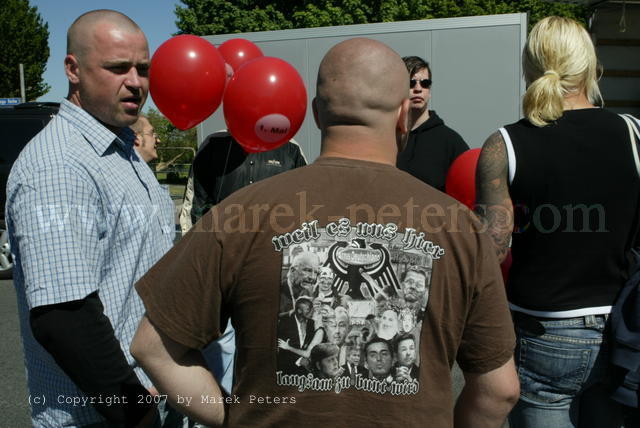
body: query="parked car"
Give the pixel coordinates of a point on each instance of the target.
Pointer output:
(18, 125)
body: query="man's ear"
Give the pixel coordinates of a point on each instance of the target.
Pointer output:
(314, 107)
(72, 68)
(403, 126)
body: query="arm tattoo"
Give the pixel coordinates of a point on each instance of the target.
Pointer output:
(493, 202)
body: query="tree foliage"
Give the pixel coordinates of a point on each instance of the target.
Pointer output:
(24, 39)
(208, 17)
(173, 151)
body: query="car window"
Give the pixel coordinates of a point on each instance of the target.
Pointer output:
(16, 133)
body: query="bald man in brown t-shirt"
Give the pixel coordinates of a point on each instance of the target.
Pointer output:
(369, 223)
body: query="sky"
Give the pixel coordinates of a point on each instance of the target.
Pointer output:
(156, 18)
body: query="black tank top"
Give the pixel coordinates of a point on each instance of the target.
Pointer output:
(576, 192)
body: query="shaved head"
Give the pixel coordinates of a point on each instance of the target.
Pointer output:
(107, 65)
(81, 33)
(361, 104)
(360, 82)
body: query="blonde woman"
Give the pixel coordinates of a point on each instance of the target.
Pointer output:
(568, 168)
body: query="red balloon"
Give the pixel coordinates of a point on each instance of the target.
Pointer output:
(461, 177)
(237, 52)
(187, 79)
(264, 104)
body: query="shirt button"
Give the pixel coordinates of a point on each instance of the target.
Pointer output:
(251, 162)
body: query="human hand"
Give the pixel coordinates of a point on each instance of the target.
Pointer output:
(373, 285)
(284, 344)
(402, 374)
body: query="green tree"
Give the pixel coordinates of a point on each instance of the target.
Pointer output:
(174, 154)
(24, 39)
(207, 17)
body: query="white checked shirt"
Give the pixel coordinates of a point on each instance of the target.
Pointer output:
(84, 214)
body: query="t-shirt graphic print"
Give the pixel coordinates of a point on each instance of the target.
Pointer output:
(352, 303)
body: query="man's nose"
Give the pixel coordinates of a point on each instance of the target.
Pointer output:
(134, 80)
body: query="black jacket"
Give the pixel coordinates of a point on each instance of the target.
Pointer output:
(221, 167)
(431, 149)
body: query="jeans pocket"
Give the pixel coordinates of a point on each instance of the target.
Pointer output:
(550, 374)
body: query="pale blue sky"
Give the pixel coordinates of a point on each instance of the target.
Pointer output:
(156, 18)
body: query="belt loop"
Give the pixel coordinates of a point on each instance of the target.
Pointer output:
(589, 320)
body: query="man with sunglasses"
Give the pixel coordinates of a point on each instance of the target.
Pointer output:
(432, 146)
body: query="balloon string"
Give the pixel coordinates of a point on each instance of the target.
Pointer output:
(224, 171)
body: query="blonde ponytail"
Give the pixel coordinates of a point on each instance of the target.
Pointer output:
(543, 101)
(558, 59)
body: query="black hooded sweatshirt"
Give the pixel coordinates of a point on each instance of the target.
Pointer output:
(431, 149)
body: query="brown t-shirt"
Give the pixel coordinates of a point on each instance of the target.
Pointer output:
(339, 261)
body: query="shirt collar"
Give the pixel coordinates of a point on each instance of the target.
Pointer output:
(96, 134)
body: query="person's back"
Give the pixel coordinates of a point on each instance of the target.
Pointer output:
(369, 230)
(221, 166)
(568, 169)
(572, 210)
(354, 212)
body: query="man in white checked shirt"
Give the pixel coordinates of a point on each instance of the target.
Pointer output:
(87, 218)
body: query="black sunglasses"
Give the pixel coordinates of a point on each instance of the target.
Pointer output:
(425, 83)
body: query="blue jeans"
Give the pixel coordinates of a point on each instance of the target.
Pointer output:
(563, 366)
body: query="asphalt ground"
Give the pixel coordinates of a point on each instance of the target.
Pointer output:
(14, 405)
